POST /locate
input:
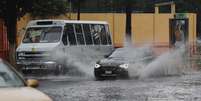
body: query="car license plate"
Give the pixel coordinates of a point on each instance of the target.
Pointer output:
(108, 72)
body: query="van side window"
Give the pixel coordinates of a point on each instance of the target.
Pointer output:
(87, 34)
(103, 35)
(109, 39)
(69, 29)
(108, 35)
(64, 38)
(95, 30)
(79, 34)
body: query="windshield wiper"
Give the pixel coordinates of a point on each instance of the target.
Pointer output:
(44, 41)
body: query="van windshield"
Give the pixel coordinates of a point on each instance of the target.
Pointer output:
(42, 35)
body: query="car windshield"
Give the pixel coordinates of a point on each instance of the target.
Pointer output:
(8, 78)
(117, 58)
(42, 35)
(135, 55)
(119, 53)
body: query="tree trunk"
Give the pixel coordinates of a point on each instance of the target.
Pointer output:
(11, 22)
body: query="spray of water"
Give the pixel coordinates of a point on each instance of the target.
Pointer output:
(173, 62)
(168, 64)
(79, 61)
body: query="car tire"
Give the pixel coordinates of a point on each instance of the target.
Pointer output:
(60, 70)
(99, 78)
(125, 75)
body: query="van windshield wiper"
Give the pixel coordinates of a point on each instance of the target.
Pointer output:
(44, 41)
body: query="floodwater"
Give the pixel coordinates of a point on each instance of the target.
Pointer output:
(170, 88)
(165, 78)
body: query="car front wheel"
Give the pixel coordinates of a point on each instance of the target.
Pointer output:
(125, 75)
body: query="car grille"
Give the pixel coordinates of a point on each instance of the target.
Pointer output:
(108, 68)
(32, 56)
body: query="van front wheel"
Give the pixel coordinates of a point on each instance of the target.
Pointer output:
(60, 69)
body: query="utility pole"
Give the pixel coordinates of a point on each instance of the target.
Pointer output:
(78, 10)
(70, 8)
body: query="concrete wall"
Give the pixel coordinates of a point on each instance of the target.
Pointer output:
(192, 27)
(142, 28)
(154, 28)
(149, 28)
(161, 28)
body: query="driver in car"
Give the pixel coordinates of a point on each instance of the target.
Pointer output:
(35, 36)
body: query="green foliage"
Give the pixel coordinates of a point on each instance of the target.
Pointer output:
(37, 8)
(11, 10)
(2, 8)
(44, 8)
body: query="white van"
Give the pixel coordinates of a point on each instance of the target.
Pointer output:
(54, 44)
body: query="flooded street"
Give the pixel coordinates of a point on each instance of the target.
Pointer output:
(100, 50)
(163, 79)
(173, 88)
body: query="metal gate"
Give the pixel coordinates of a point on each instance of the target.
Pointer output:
(4, 45)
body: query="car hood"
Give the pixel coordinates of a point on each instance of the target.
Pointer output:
(111, 62)
(22, 94)
(37, 46)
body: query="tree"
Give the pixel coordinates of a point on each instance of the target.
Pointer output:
(45, 8)
(12, 10)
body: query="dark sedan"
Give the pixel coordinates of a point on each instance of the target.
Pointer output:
(111, 67)
(122, 63)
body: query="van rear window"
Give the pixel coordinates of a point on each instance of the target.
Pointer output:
(87, 34)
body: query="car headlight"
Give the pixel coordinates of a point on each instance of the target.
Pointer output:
(50, 62)
(125, 66)
(97, 65)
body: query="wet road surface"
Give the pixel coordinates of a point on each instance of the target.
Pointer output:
(173, 88)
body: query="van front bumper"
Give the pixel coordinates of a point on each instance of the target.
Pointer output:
(33, 65)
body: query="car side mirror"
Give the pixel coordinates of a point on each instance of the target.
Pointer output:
(32, 83)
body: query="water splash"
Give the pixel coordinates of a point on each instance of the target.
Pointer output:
(171, 63)
(80, 61)
(168, 64)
